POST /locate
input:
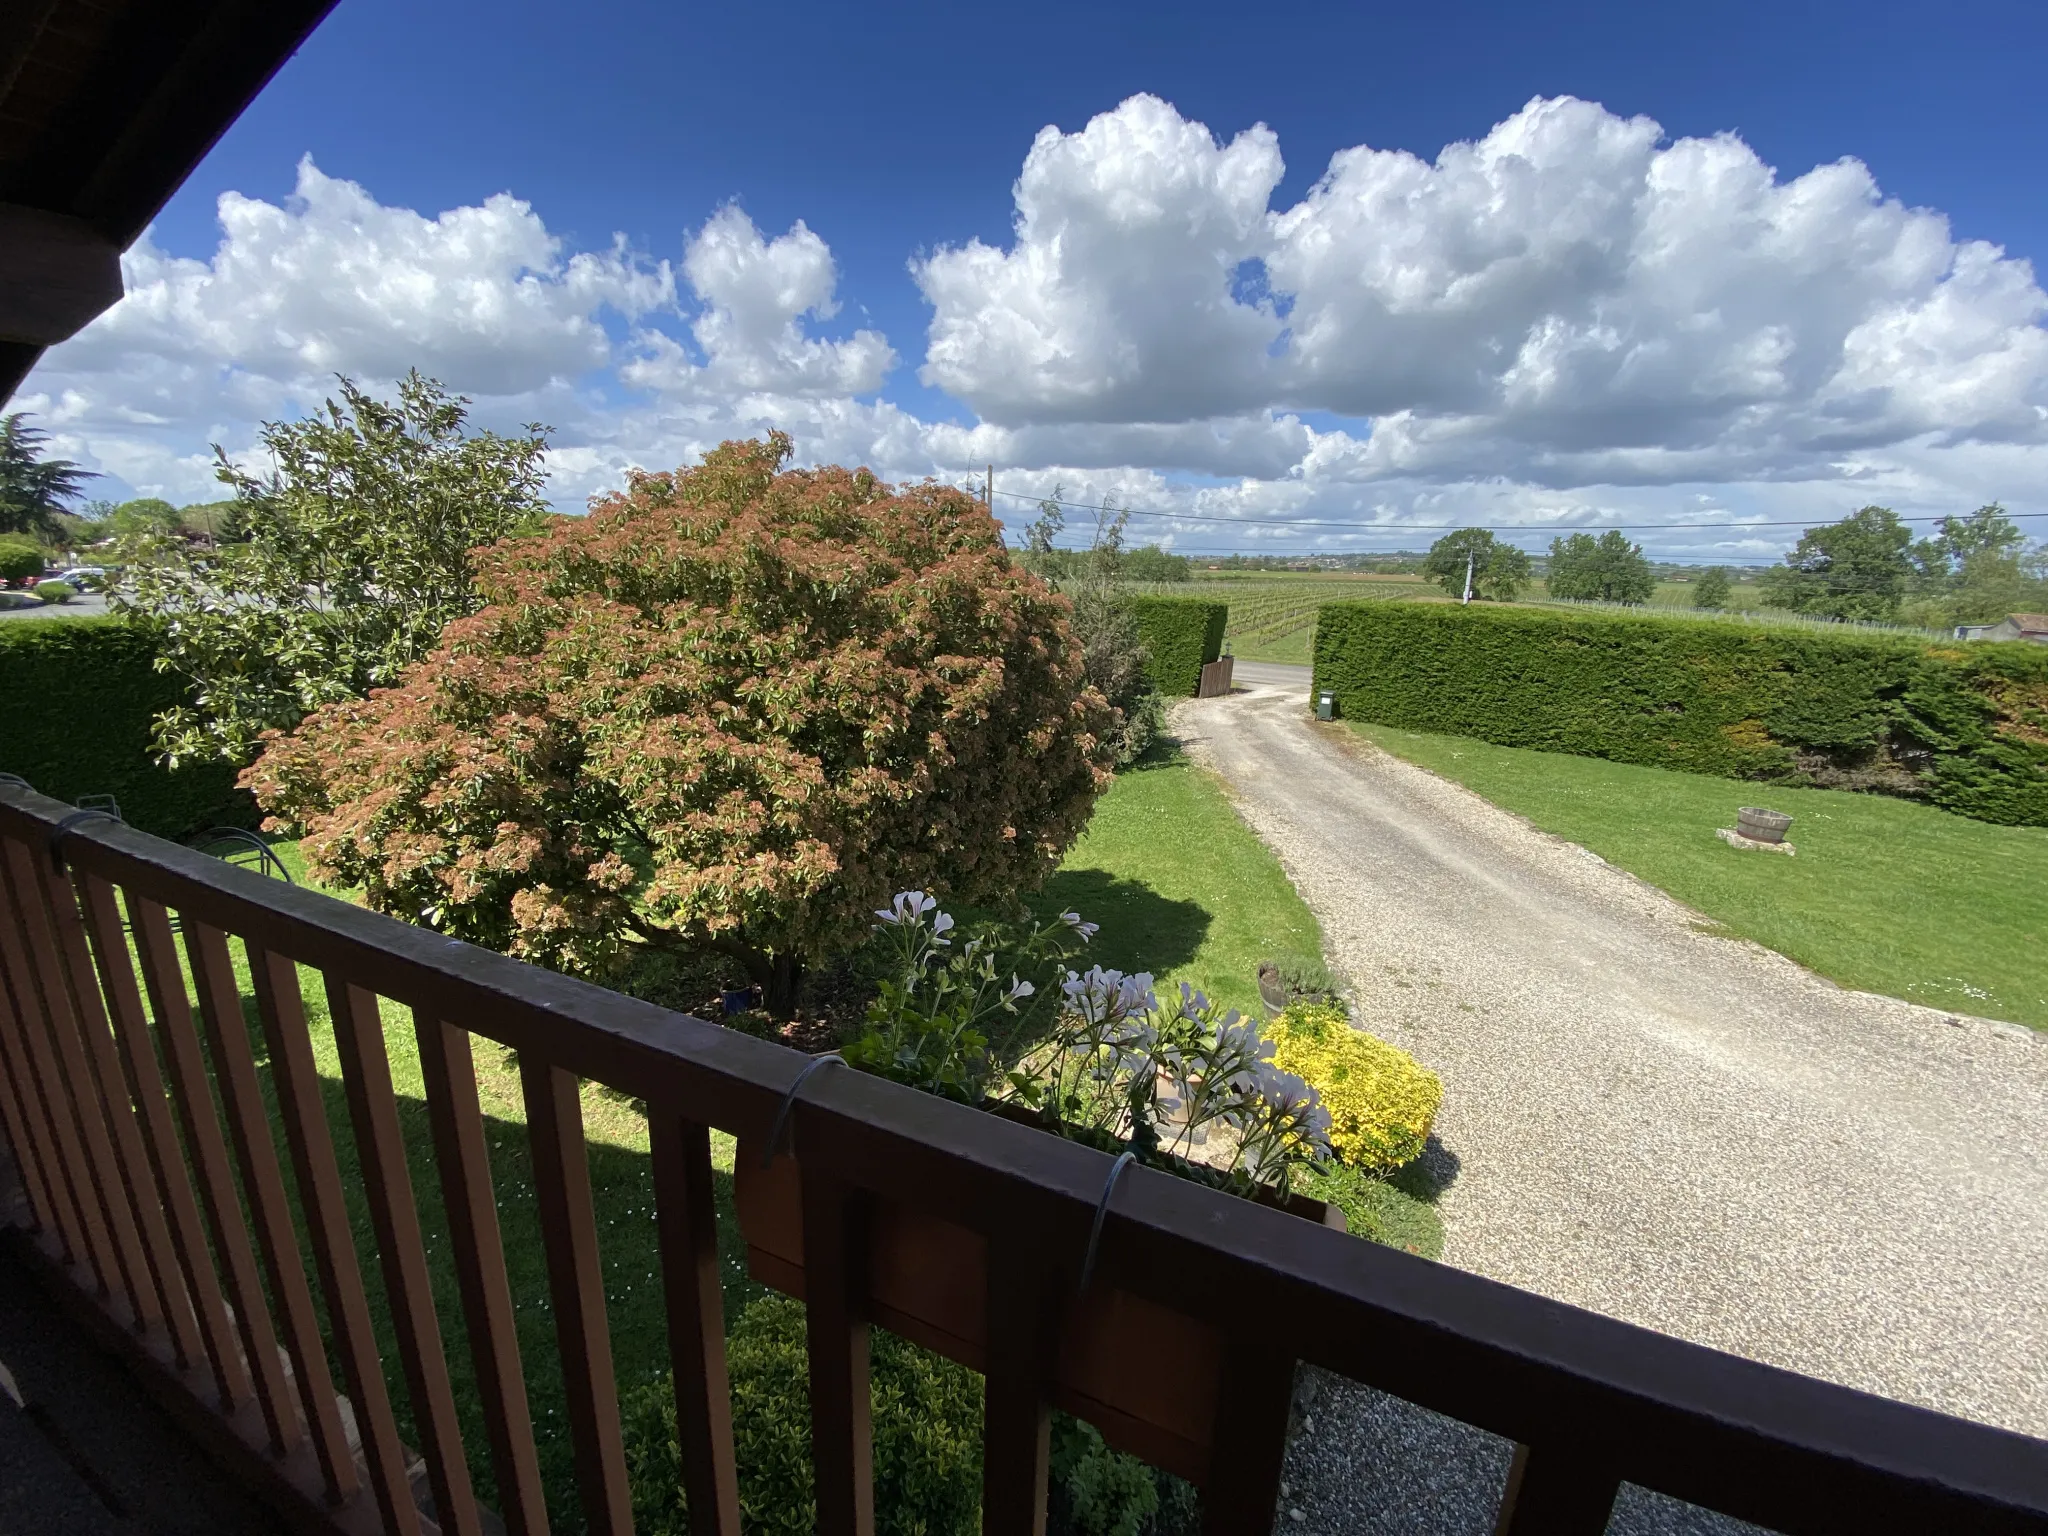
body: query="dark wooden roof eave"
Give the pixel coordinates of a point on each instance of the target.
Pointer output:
(106, 106)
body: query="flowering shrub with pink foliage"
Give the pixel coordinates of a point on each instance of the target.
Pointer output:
(736, 704)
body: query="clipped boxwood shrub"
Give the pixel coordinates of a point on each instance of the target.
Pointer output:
(1381, 1100)
(56, 591)
(78, 696)
(1182, 635)
(1964, 725)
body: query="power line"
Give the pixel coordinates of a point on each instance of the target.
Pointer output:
(1287, 522)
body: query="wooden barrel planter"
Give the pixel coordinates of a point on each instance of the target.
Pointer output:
(1761, 826)
(1144, 1375)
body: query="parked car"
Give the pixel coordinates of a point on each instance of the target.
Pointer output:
(85, 578)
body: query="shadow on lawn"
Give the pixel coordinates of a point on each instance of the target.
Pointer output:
(1141, 929)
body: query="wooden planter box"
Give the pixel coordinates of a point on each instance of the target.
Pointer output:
(1142, 1374)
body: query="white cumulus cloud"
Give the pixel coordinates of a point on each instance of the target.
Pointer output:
(1570, 300)
(1570, 320)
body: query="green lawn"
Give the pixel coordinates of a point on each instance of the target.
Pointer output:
(1181, 887)
(1884, 895)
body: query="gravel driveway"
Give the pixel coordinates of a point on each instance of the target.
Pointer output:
(1688, 1132)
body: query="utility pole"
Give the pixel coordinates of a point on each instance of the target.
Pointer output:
(989, 491)
(1468, 576)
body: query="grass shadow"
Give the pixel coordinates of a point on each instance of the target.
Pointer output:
(1141, 929)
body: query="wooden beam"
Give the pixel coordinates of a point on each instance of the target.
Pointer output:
(173, 76)
(56, 274)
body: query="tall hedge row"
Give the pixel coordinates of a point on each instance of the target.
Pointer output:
(1182, 634)
(76, 700)
(1965, 726)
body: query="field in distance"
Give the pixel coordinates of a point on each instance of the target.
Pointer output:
(1273, 613)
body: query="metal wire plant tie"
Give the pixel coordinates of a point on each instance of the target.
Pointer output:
(1116, 1171)
(789, 1102)
(66, 823)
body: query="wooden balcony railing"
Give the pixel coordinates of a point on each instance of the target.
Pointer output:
(134, 1105)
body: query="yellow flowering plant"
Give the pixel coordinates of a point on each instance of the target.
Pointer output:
(1381, 1101)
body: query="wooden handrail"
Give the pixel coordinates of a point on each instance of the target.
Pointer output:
(1590, 1401)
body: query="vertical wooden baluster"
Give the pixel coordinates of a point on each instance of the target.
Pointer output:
(1022, 1333)
(42, 1095)
(171, 1306)
(835, 1275)
(193, 1100)
(167, 1157)
(1248, 1444)
(465, 1167)
(394, 1215)
(296, 1079)
(34, 1083)
(568, 1225)
(688, 1226)
(25, 1130)
(1553, 1491)
(277, 1238)
(81, 1130)
(167, 1161)
(42, 1102)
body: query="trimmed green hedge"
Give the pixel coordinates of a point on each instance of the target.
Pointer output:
(77, 697)
(1182, 635)
(1965, 726)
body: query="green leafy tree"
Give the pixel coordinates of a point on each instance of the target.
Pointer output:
(1458, 557)
(1985, 533)
(1113, 651)
(35, 490)
(1855, 569)
(1041, 536)
(734, 708)
(1498, 571)
(356, 552)
(1972, 570)
(1151, 563)
(1710, 589)
(144, 516)
(212, 520)
(1608, 569)
(20, 558)
(1113, 658)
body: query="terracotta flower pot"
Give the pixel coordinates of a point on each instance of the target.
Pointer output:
(1142, 1374)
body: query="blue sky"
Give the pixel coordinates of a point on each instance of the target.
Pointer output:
(1109, 356)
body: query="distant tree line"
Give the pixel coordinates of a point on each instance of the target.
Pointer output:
(1972, 569)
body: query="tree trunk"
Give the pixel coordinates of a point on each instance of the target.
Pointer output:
(784, 974)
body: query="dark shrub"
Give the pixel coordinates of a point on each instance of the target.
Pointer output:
(1962, 725)
(1181, 635)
